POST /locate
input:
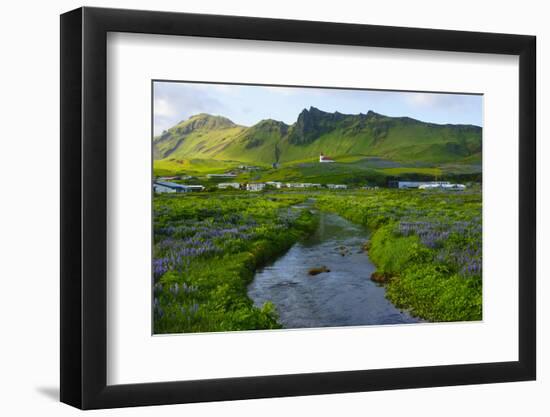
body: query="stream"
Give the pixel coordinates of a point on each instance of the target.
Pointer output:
(345, 296)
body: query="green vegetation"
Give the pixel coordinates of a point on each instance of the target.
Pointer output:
(172, 166)
(434, 172)
(339, 135)
(206, 250)
(426, 244)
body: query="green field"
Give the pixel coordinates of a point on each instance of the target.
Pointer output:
(207, 246)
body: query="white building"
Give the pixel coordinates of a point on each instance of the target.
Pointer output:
(258, 186)
(324, 158)
(225, 185)
(418, 184)
(302, 185)
(169, 187)
(442, 186)
(195, 187)
(275, 184)
(337, 186)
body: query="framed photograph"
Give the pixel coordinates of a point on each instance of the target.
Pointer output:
(257, 208)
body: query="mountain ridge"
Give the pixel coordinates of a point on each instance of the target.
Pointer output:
(337, 134)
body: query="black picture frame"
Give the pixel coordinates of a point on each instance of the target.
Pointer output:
(84, 207)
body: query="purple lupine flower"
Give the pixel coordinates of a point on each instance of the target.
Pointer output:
(160, 266)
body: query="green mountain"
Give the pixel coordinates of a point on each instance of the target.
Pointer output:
(341, 136)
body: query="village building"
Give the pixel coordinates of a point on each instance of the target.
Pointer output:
(442, 186)
(225, 185)
(172, 187)
(418, 184)
(302, 185)
(195, 187)
(169, 187)
(337, 186)
(324, 158)
(258, 186)
(275, 184)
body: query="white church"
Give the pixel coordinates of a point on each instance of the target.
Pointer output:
(324, 158)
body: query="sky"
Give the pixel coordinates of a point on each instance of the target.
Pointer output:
(247, 105)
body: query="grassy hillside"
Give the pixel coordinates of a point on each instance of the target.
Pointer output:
(172, 166)
(401, 139)
(257, 145)
(346, 138)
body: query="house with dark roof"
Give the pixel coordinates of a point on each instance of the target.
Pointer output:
(324, 158)
(169, 187)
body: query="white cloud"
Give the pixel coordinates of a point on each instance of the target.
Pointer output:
(174, 102)
(163, 108)
(424, 99)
